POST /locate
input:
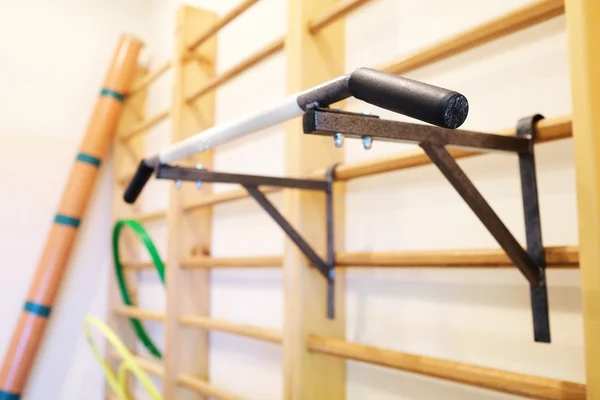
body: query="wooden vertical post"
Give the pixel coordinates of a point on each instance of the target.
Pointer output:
(186, 349)
(584, 53)
(126, 155)
(311, 59)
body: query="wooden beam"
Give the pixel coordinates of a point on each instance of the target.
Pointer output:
(138, 265)
(143, 126)
(514, 21)
(339, 10)
(188, 292)
(187, 381)
(149, 78)
(271, 49)
(152, 367)
(221, 23)
(583, 32)
(149, 216)
(556, 257)
(140, 313)
(204, 388)
(207, 34)
(311, 60)
(206, 323)
(268, 335)
(224, 197)
(488, 378)
(227, 262)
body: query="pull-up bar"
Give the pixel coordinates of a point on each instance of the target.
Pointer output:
(428, 103)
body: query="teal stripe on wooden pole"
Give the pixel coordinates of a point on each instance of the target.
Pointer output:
(87, 158)
(37, 309)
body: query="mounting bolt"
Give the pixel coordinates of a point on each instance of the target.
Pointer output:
(198, 183)
(367, 142)
(338, 139)
(177, 184)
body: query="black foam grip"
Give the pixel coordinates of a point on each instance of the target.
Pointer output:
(438, 106)
(142, 175)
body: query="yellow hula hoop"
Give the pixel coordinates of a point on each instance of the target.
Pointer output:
(117, 381)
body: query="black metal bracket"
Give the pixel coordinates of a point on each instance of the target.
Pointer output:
(433, 141)
(251, 183)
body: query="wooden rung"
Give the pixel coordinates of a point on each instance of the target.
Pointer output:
(138, 266)
(338, 11)
(556, 257)
(145, 125)
(504, 25)
(151, 77)
(136, 312)
(547, 130)
(237, 69)
(205, 388)
(268, 335)
(150, 366)
(222, 22)
(225, 197)
(226, 19)
(488, 378)
(227, 262)
(151, 216)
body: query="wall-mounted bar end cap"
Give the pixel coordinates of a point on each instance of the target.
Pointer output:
(455, 110)
(135, 187)
(419, 100)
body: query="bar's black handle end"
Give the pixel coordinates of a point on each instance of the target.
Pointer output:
(135, 187)
(425, 102)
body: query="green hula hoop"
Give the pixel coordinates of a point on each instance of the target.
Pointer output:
(141, 233)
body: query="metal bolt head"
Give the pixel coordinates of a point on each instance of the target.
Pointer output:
(338, 140)
(177, 184)
(367, 142)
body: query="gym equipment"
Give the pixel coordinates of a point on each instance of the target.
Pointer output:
(415, 99)
(117, 382)
(141, 233)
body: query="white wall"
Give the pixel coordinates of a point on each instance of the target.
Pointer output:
(476, 316)
(53, 57)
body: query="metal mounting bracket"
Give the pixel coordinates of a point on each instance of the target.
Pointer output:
(433, 140)
(251, 184)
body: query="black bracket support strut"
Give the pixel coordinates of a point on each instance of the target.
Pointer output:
(251, 184)
(433, 141)
(533, 230)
